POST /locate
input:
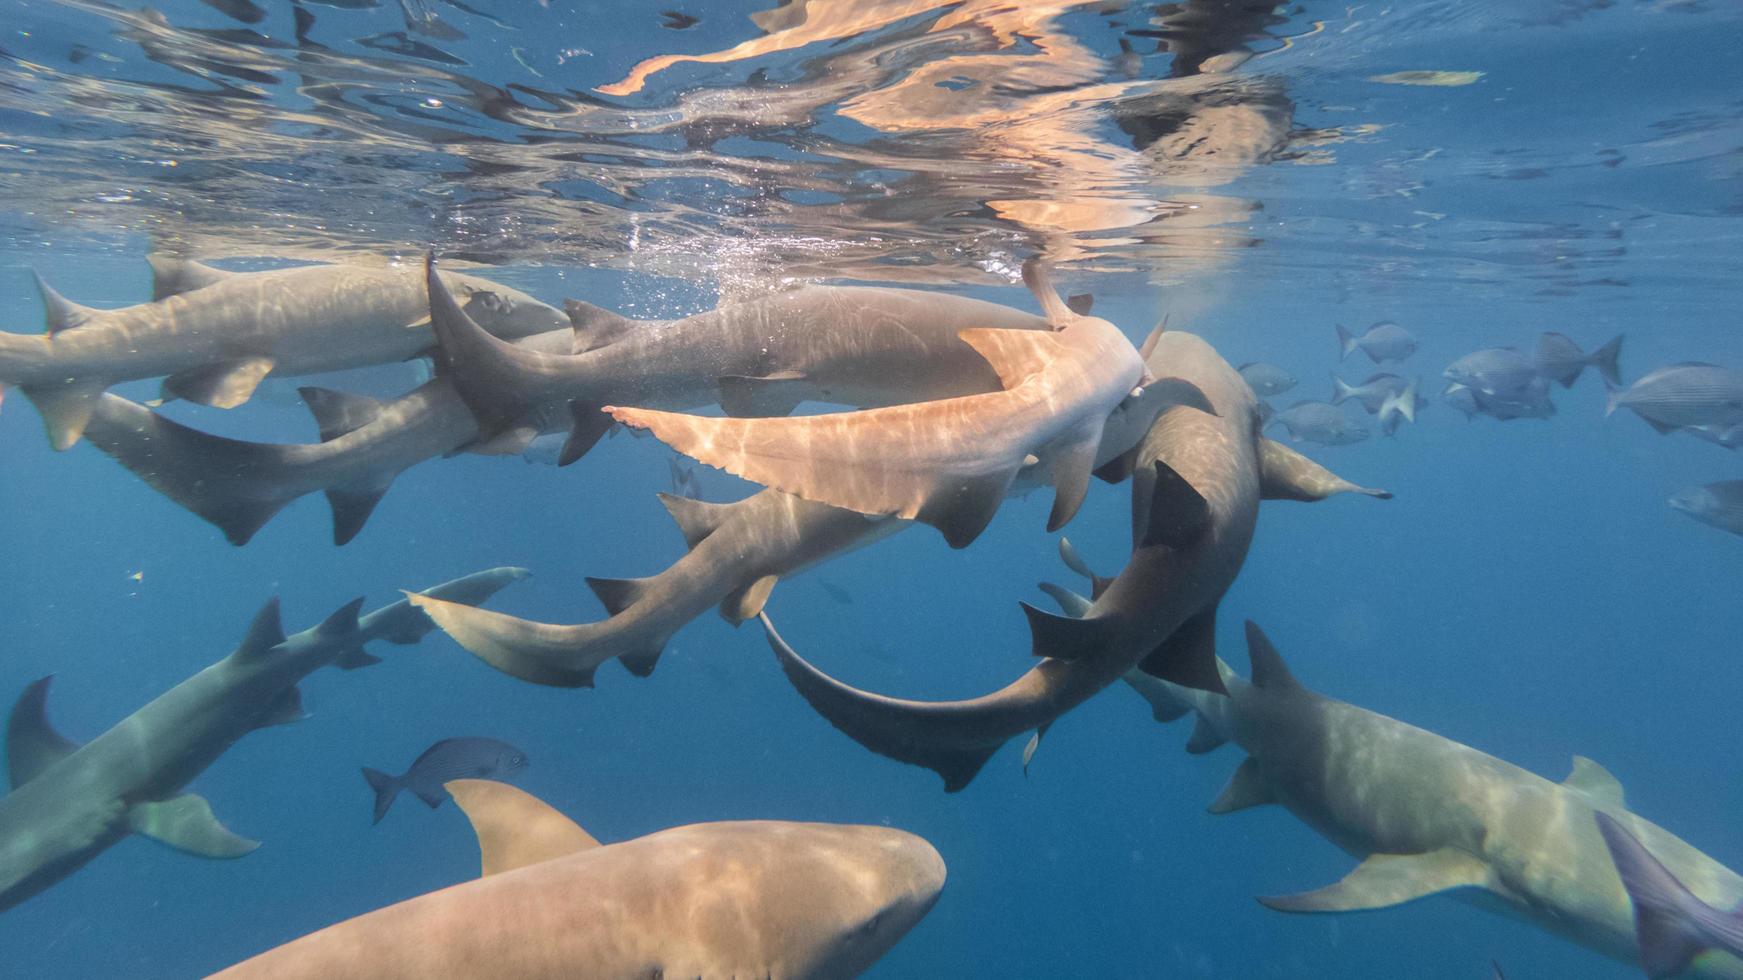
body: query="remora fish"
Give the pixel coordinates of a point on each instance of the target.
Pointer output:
(1266, 379)
(1671, 925)
(1559, 359)
(238, 485)
(1198, 479)
(1718, 504)
(1319, 422)
(756, 898)
(947, 463)
(1382, 342)
(738, 552)
(216, 334)
(1428, 815)
(1684, 395)
(451, 758)
(70, 802)
(862, 346)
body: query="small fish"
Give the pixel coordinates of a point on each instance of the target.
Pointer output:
(836, 592)
(137, 576)
(1462, 398)
(1432, 79)
(1372, 393)
(1684, 395)
(1717, 504)
(1559, 359)
(1530, 403)
(1266, 379)
(1319, 422)
(1383, 342)
(1398, 408)
(451, 758)
(672, 20)
(1501, 371)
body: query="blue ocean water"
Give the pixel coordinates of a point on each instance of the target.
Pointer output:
(1527, 592)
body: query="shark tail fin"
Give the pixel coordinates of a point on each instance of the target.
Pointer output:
(386, 790)
(1607, 360)
(539, 653)
(1669, 920)
(404, 624)
(489, 373)
(1346, 343)
(234, 485)
(907, 731)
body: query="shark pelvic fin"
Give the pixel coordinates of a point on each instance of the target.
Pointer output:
(1246, 788)
(768, 396)
(32, 744)
(1596, 782)
(1269, 671)
(353, 503)
(533, 652)
(286, 708)
(1015, 355)
(1188, 656)
(172, 276)
(617, 594)
(186, 823)
(961, 512)
(515, 828)
(696, 519)
(590, 426)
(747, 601)
(1285, 474)
(66, 409)
(58, 312)
(224, 384)
(1384, 880)
(1166, 510)
(1205, 737)
(337, 412)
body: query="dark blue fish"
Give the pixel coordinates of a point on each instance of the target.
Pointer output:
(451, 758)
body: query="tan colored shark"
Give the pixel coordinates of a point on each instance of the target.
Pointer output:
(1198, 480)
(948, 463)
(758, 898)
(1427, 815)
(214, 335)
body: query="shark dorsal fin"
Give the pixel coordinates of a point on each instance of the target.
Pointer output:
(343, 621)
(58, 312)
(515, 828)
(1015, 355)
(337, 412)
(32, 744)
(1269, 671)
(171, 276)
(1040, 283)
(697, 519)
(266, 632)
(1596, 782)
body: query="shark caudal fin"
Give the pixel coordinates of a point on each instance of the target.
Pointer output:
(1671, 925)
(386, 789)
(234, 485)
(538, 653)
(1607, 359)
(515, 828)
(402, 623)
(490, 374)
(915, 732)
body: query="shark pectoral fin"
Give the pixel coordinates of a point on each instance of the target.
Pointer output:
(746, 602)
(186, 823)
(32, 744)
(353, 503)
(1246, 788)
(1178, 514)
(590, 426)
(768, 396)
(172, 276)
(696, 519)
(286, 708)
(1015, 355)
(225, 384)
(338, 412)
(1073, 458)
(515, 829)
(1596, 782)
(1285, 474)
(66, 409)
(1188, 656)
(1385, 880)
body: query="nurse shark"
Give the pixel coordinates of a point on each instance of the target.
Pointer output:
(70, 802)
(755, 898)
(1198, 480)
(1427, 815)
(214, 335)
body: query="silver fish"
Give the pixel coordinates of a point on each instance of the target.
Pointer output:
(1372, 393)
(1717, 504)
(1692, 393)
(1501, 371)
(1266, 379)
(1319, 422)
(1559, 359)
(1382, 342)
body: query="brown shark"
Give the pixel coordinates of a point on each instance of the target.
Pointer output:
(214, 335)
(950, 462)
(1195, 502)
(756, 898)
